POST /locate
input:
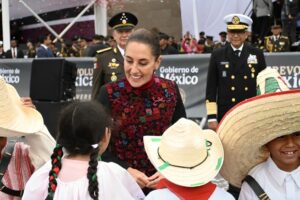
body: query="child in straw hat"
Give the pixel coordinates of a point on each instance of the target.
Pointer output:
(75, 171)
(261, 138)
(189, 158)
(20, 156)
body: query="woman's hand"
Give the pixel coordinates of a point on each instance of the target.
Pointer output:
(153, 180)
(27, 102)
(139, 177)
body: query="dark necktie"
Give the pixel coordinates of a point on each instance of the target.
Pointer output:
(237, 53)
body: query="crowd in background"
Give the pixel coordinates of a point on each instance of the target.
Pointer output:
(274, 29)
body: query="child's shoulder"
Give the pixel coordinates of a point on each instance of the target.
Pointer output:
(112, 167)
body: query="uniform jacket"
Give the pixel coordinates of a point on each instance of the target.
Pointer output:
(281, 44)
(92, 49)
(231, 79)
(221, 44)
(110, 67)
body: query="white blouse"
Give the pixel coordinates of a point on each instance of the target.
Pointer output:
(114, 183)
(278, 184)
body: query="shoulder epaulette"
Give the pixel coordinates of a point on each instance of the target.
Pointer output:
(103, 50)
(285, 37)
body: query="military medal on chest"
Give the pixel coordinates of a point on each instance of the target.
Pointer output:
(252, 59)
(113, 77)
(113, 64)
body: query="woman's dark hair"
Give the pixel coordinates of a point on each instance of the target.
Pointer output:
(81, 125)
(146, 37)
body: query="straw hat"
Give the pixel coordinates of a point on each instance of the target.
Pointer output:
(252, 123)
(185, 154)
(16, 119)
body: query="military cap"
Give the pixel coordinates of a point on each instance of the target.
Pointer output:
(237, 22)
(276, 26)
(223, 33)
(209, 37)
(123, 21)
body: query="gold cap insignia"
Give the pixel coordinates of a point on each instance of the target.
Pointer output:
(235, 20)
(124, 18)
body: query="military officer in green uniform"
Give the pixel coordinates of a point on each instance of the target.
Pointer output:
(109, 66)
(277, 42)
(232, 70)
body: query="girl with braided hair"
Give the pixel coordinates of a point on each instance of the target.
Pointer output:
(75, 171)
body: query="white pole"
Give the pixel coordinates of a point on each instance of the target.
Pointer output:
(5, 25)
(100, 11)
(74, 20)
(195, 20)
(40, 19)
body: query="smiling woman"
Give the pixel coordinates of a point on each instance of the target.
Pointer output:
(139, 64)
(141, 104)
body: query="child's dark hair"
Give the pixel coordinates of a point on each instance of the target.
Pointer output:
(146, 37)
(81, 125)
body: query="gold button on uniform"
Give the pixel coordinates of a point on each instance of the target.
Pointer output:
(232, 88)
(233, 99)
(245, 77)
(246, 88)
(232, 77)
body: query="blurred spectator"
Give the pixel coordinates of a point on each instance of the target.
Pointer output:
(31, 51)
(14, 51)
(288, 18)
(223, 40)
(54, 49)
(277, 42)
(263, 11)
(277, 6)
(172, 42)
(209, 44)
(69, 50)
(165, 48)
(97, 44)
(2, 53)
(189, 45)
(202, 38)
(187, 35)
(44, 50)
(83, 46)
(110, 41)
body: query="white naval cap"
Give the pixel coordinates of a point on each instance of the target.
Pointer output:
(237, 21)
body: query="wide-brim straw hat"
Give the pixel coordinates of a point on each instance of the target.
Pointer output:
(16, 119)
(185, 154)
(247, 127)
